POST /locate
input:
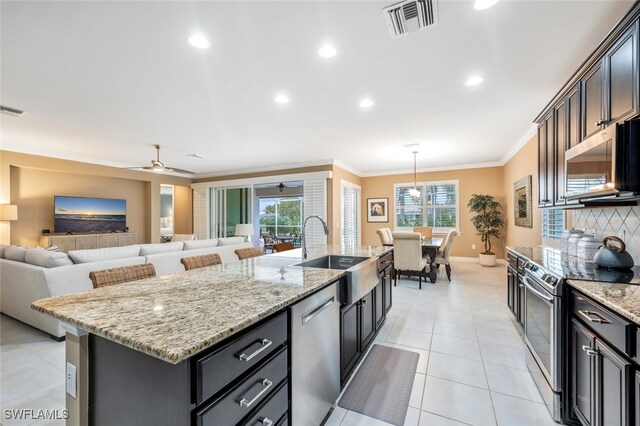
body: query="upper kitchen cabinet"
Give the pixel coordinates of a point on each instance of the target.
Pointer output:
(573, 117)
(546, 161)
(561, 147)
(610, 87)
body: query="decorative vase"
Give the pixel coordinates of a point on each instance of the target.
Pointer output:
(487, 259)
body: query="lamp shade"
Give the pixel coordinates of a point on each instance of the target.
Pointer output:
(8, 212)
(244, 229)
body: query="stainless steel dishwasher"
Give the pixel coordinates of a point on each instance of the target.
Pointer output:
(315, 359)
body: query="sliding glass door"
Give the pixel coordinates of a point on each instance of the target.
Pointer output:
(233, 207)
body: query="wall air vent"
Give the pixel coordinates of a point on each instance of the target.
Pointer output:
(11, 111)
(410, 16)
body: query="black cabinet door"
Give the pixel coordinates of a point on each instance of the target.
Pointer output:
(612, 387)
(511, 284)
(636, 392)
(622, 77)
(388, 291)
(542, 164)
(367, 319)
(349, 338)
(379, 301)
(582, 365)
(561, 147)
(573, 117)
(551, 160)
(521, 301)
(592, 101)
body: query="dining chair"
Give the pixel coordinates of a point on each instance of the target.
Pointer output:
(248, 253)
(407, 255)
(202, 261)
(442, 258)
(268, 240)
(123, 274)
(425, 231)
(283, 247)
(385, 236)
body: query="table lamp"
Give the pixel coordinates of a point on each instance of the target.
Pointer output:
(8, 212)
(244, 230)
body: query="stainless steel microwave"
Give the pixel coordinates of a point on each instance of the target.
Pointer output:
(606, 164)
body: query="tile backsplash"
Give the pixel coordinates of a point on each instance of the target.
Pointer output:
(623, 222)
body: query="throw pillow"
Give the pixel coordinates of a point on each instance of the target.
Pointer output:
(96, 255)
(198, 244)
(15, 253)
(47, 259)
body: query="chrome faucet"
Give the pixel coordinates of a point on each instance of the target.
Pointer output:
(304, 227)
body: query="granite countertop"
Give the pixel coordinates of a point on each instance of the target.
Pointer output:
(623, 299)
(176, 316)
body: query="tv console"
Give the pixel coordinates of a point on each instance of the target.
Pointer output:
(88, 241)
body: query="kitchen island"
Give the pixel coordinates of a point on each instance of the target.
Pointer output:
(192, 347)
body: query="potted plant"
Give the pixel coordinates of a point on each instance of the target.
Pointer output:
(488, 222)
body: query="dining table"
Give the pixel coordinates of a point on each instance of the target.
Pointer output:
(430, 247)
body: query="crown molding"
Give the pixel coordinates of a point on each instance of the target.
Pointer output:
(280, 167)
(436, 169)
(345, 166)
(526, 136)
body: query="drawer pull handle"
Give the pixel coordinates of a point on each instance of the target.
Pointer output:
(266, 385)
(385, 262)
(266, 421)
(265, 344)
(590, 351)
(594, 317)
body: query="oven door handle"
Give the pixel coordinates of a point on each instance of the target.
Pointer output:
(529, 286)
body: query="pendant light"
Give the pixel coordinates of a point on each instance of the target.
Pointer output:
(413, 192)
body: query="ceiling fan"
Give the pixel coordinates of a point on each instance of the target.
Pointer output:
(159, 166)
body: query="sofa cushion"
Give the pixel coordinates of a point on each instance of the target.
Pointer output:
(146, 249)
(15, 253)
(47, 259)
(198, 244)
(169, 263)
(230, 241)
(97, 255)
(2, 247)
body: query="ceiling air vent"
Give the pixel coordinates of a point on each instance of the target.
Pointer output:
(410, 16)
(11, 111)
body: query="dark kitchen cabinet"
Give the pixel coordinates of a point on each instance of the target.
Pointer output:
(379, 301)
(367, 318)
(636, 388)
(512, 284)
(561, 147)
(621, 78)
(573, 117)
(592, 95)
(349, 338)
(582, 395)
(612, 378)
(387, 285)
(546, 161)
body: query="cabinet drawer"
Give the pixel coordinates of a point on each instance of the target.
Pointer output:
(272, 410)
(385, 261)
(241, 400)
(218, 369)
(605, 323)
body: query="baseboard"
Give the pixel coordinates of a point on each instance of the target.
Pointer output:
(474, 260)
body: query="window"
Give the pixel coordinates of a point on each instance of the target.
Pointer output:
(437, 206)
(350, 214)
(552, 223)
(281, 216)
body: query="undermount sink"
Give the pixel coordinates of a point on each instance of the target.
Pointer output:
(361, 272)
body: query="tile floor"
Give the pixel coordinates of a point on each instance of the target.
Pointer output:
(471, 368)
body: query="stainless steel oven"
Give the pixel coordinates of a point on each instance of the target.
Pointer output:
(542, 333)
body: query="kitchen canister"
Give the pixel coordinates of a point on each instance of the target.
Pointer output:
(588, 247)
(572, 245)
(564, 239)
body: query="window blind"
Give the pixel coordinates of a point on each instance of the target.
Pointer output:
(552, 223)
(350, 214)
(315, 203)
(200, 213)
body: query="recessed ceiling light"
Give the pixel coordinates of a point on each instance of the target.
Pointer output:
(484, 4)
(282, 99)
(474, 80)
(199, 41)
(366, 103)
(327, 51)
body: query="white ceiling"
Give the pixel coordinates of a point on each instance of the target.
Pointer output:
(102, 81)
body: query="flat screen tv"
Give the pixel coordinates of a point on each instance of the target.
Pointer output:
(79, 214)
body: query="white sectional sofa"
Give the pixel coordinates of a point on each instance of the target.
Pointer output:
(26, 276)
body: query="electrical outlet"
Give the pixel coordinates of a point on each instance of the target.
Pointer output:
(72, 380)
(473, 246)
